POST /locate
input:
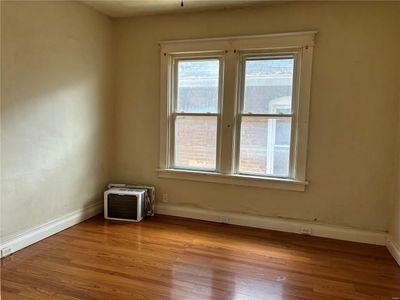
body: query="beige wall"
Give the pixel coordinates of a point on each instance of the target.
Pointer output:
(55, 110)
(353, 116)
(394, 230)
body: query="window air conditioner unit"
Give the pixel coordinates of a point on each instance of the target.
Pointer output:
(124, 204)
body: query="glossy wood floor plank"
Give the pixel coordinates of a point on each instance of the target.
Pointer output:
(174, 258)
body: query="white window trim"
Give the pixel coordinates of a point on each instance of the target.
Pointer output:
(300, 43)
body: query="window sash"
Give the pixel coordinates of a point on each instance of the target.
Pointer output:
(238, 152)
(173, 145)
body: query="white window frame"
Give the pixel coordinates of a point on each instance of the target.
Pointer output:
(231, 51)
(173, 106)
(267, 54)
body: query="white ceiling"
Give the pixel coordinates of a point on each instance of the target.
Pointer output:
(126, 8)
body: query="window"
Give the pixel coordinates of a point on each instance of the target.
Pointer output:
(195, 113)
(235, 110)
(265, 116)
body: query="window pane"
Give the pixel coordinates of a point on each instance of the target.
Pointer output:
(282, 136)
(198, 82)
(196, 142)
(265, 146)
(268, 86)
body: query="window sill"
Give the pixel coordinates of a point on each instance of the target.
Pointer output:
(242, 180)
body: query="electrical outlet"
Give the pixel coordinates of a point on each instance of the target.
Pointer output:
(165, 198)
(306, 230)
(224, 219)
(6, 251)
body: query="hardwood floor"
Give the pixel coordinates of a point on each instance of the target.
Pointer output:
(174, 258)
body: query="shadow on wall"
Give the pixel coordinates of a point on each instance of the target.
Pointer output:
(54, 111)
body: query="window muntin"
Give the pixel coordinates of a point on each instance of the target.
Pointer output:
(265, 118)
(196, 113)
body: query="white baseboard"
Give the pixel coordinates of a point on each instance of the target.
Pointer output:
(394, 249)
(274, 223)
(43, 231)
(31, 236)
